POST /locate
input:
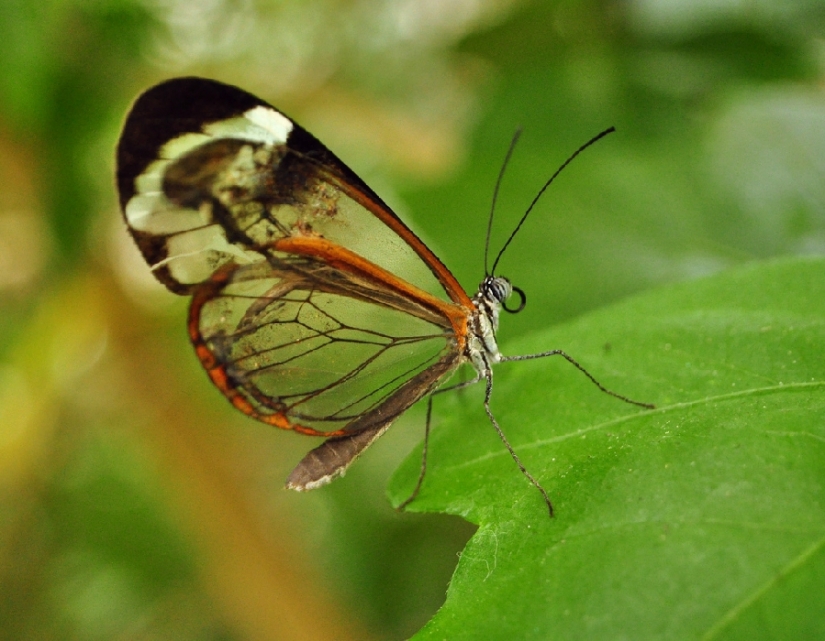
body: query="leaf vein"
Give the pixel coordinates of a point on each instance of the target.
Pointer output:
(773, 389)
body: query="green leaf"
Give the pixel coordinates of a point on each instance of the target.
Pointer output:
(703, 518)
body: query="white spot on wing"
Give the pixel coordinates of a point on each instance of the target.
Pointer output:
(276, 123)
(177, 147)
(196, 254)
(258, 125)
(314, 485)
(152, 213)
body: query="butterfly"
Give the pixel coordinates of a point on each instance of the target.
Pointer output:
(314, 307)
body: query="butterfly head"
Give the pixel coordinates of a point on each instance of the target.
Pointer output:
(496, 290)
(499, 289)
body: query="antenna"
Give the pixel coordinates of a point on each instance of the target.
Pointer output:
(541, 191)
(513, 142)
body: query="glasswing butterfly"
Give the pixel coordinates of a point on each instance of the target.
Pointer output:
(314, 307)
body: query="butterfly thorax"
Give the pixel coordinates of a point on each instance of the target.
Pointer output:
(482, 349)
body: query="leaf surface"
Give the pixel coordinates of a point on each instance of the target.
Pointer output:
(703, 518)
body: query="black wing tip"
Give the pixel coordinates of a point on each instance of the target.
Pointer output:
(170, 109)
(193, 98)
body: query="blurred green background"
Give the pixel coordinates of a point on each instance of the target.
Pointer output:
(134, 503)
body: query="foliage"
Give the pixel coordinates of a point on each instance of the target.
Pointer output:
(700, 519)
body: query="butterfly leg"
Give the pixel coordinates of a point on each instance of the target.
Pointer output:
(577, 365)
(423, 471)
(488, 393)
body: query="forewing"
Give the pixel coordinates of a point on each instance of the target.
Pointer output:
(210, 175)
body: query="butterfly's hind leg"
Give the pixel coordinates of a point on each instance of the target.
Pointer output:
(423, 471)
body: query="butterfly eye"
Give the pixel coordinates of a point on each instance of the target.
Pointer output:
(522, 302)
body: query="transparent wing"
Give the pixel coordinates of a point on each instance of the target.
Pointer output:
(302, 346)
